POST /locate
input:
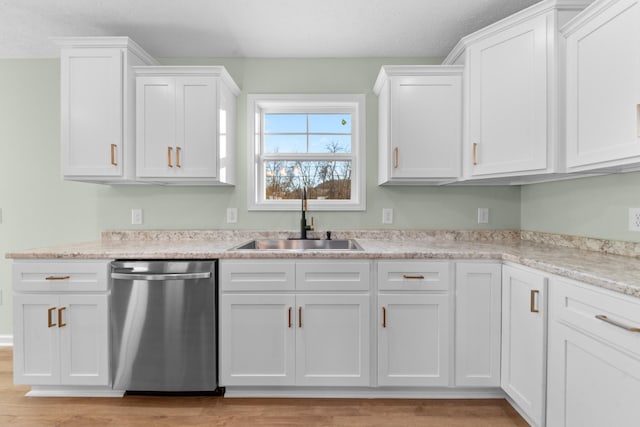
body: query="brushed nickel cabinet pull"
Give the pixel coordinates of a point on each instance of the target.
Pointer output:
(384, 316)
(178, 149)
(49, 321)
(413, 276)
(114, 162)
(289, 317)
(300, 317)
(475, 153)
(169, 150)
(60, 323)
(395, 157)
(617, 324)
(57, 278)
(534, 295)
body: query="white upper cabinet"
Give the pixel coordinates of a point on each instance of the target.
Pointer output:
(97, 107)
(420, 124)
(603, 86)
(511, 95)
(185, 125)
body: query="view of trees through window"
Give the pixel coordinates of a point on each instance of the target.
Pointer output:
(311, 151)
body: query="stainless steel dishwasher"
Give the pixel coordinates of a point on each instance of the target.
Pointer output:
(163, 326)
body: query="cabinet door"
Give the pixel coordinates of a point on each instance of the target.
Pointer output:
(91, 112)
(413, 340)
(36, 346)
(523, 340)
(478, 322)
(426, 126)
(257, 339)
(84, 339)
(332, 340)
(197, 123)
(508, 100)
(603, 87)
(155, 127)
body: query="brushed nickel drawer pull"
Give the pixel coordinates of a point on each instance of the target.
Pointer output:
(395, 157)
(289, 323)
(178, 149)
(617, 324)
(60, 323)
(57, 278)
(169, 150)
(49, 321)
(413, 276)
(300, 317)
(534, 295)
(384, 316)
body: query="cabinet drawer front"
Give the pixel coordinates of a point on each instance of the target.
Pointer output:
(577, 305)
(61, 276)
(413, 276)
(268, 275)
(332, 276)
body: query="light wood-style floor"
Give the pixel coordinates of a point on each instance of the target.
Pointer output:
(16, 409)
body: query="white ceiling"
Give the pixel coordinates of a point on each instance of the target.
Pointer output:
(252, 28)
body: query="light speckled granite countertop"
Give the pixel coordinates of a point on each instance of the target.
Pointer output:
(614, 272)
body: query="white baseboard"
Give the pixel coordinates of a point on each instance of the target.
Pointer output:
(366, 392)
(6, 340)
(61, 391)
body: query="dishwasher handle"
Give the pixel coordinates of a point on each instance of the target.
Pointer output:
(168, 276)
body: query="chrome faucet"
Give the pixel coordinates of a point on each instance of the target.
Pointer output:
(303, 221)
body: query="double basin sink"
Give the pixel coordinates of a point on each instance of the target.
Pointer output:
(298, 245)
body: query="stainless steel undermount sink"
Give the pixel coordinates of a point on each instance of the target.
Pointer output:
(297, 245)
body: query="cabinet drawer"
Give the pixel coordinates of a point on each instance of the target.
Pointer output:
(268, 275)
(332, 276)
(61, 276)
(577, 305)
(413, 276)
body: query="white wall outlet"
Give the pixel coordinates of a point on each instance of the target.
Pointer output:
(387, 215)
(232, 215)
(136, 216)
(483, 215)
(0, 215)
(634, 219)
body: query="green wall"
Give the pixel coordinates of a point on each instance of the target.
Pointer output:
(40, 209)
(594, 207)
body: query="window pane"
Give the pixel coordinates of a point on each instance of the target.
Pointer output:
(330, 123)
(324, 180)
(285, 143)
(285, 123)
(330, 143)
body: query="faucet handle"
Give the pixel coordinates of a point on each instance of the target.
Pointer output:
(328, 235)
(312, 224)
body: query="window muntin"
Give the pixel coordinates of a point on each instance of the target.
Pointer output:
(307, 141)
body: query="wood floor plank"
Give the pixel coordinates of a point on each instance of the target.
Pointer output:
(139, 411)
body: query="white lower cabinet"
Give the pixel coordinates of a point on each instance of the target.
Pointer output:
(413, 323)
(524, 341)
(478, 324)
(60, 338)
(594, 357)
(273, 338)
(413, 340)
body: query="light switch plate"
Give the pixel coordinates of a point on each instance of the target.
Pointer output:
(387, 215)
(634, 219)
(232, 215)
(136, 216)
(483, 215)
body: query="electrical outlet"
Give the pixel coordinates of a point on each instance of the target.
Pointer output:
(387, 216)
(232, 215)
(0, 296)
(0, 215)
(634, 219)
(483, 215)
(136, 216)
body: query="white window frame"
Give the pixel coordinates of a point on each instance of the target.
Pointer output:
(257, 104)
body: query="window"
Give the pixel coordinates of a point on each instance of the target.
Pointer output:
(307, 141)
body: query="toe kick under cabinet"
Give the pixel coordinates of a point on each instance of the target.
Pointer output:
(61, 328)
